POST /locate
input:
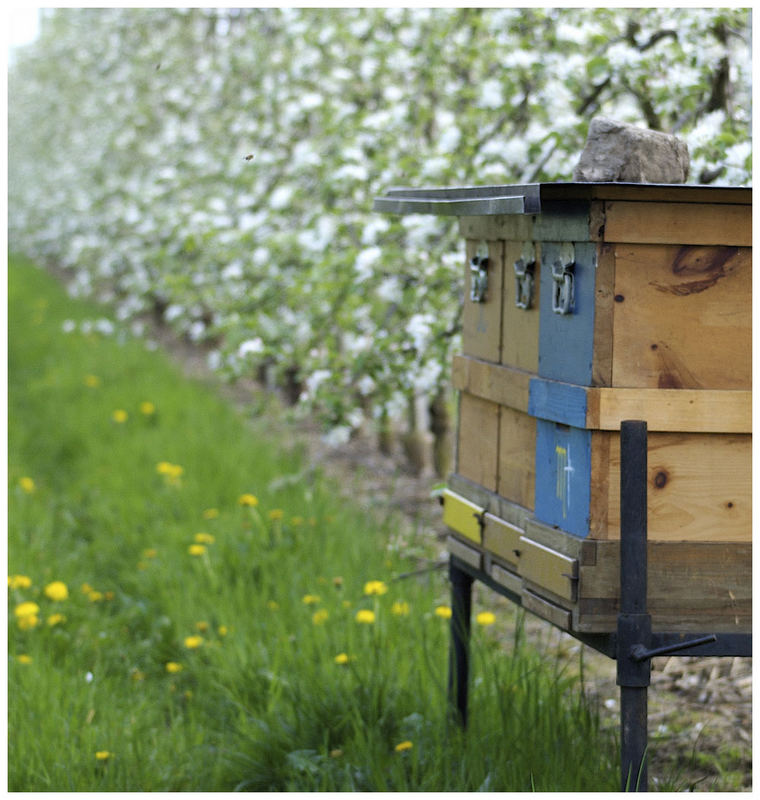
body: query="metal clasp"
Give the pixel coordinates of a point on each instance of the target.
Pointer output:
(479, 274)
(563, 274)
(525, 276)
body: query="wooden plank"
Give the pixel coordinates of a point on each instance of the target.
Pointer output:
(600, 490)
(682, 317)
(462, 516)
(509, 580)
(557, 615)
(700, 487)
(677, 410)
(481, 322)
(511, 227)
(508, 511)
(601, 368)
(548, 569)
(478, 440)
(517, 457)
(467, 554)
(519, 346)
(499, 384)
(678, 223)
(502, 539)
(559, 402)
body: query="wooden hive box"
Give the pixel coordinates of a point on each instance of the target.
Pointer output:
(585, 305)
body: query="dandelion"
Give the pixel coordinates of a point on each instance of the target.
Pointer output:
(443, 611)
(57, 591)
(172, 472)
(172, 667)
(103, 755)
(193, 642)
(149, 552)
(222, 630)
(273, 605)
(95, 596)
(24, 659)
(341, 658)
(147, 408)
(27, 609)
(485, 618)
(119, 416)
(201, 626)
(137, 675)
(55, 619)
(276, 514)
(337, 581)
(28, 621)
(375, 588)
(310, 599)
(204, 538)
(19, 582)
(196, 549)
(27, 484)
(365, 616)
(210, 513)
(249, 500)
(296, 521)
(320, 617)
(400, 608)
(93, 381)
(401, 746)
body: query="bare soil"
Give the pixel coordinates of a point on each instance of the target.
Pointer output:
(700, 709)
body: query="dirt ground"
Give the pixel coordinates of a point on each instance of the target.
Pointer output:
(700, 709)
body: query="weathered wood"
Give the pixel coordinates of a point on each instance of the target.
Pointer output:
(464, 552)
(462, 515)
(509, 580)
(517, 457)
(682, 317)
(601, 368)
(481, 322)
(512, 227)
(559, 616)
(547, 568)
(502, 539)
(478, 440)
(519, 345)
(499, 384)
(678, 223)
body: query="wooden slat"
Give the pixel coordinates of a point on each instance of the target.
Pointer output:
(678, 223)
(517, 457)
(557, 615)
(509, 580)
(467, 554)
(601, 368)
(682, 317)
(499, 384)
(519, 346)
(548, 569)
(481, 322)
(478, 440)
(502, 539)
(461, 515)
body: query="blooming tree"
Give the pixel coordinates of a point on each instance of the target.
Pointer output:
(217, 167)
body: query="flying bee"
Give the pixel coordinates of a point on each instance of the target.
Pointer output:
(249, 157)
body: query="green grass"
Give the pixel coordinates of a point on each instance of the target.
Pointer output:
(261, 704)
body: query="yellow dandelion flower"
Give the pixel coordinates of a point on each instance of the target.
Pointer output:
(24, 659)
(103, 755)
(173, 667)
(310, 599)
(296, 521)
(485, 618)
(248, 500)
(341, 658)
(196, 549)
(201, 626)
(55, 619)
(28, 609)
(93, 381)
(95, 596)
(150, 552)
(337, 581)
(204, 538)
(273, 605)
(443, 611)
(320, 617)
(375, 588)
(28, 622)
(109, 595)
(27, 484)
(365, 616)
(119, 416)
(211, 513)
(276, 514)
(19, 582)
(192, 642)
(137, 675)
(400, 608)
(222, 630)
(57, 590)
(86, 588)
(401, 746)
(346, 604)
(147, 408)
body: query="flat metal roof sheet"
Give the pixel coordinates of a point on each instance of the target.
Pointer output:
(476, 201)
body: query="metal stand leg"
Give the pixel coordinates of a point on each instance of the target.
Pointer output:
(634, 624)
(459, 654)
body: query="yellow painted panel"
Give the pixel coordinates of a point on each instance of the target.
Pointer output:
(548, 569)
(462, 516)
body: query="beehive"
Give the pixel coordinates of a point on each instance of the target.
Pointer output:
(587, 304)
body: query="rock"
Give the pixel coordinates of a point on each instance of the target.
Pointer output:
(616, 151)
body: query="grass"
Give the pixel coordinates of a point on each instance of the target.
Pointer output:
(278, 687)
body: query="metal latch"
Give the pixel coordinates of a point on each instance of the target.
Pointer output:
(525, 276)
(563, 274)
(479, 274)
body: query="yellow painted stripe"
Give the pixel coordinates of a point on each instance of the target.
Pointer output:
(462, 516)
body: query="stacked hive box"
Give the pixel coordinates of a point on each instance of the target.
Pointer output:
(592, 304)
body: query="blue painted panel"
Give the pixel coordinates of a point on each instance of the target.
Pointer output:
(566, 341)
(559, 402)
(563, 476)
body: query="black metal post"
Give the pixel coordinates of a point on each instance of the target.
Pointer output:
(634, 624)
(459, 654)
